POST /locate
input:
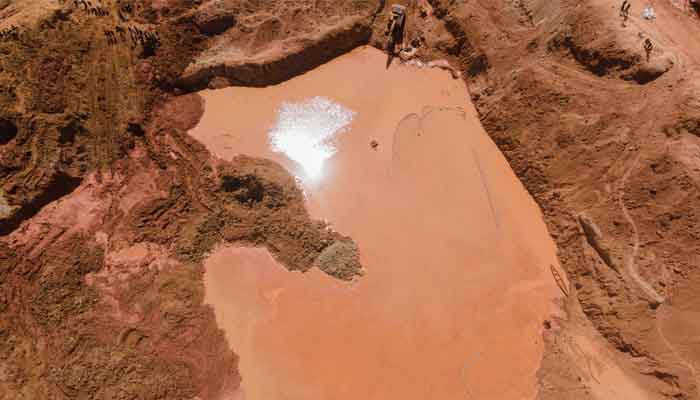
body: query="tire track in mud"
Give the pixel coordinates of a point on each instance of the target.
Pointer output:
(630, 264)
(485, 185)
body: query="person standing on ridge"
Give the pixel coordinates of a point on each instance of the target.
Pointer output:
(648, 47)
(625, 11)
(622, 9)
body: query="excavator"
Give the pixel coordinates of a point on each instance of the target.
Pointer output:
(396, 28)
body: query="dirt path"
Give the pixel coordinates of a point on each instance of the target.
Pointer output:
(630, 263)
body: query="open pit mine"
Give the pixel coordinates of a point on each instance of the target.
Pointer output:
(349, 199)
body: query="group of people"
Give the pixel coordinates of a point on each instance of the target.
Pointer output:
(99, 11)
(625, 14)
(138, 36)
(124, 12)
(87, 6)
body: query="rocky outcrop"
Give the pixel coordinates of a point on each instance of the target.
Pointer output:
(595, 240)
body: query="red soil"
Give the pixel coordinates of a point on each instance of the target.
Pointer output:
(96, 165)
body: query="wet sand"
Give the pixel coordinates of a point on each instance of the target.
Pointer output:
(456, 255)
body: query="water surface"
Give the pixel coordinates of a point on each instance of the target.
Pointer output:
(457, 281)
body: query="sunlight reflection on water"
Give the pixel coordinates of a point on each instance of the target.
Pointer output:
(305, 132)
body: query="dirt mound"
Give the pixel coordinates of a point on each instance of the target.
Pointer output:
(590, 34)
(341, 259)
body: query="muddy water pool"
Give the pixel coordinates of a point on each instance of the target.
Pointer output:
(457, 259)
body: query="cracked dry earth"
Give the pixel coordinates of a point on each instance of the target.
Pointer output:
(109, 208)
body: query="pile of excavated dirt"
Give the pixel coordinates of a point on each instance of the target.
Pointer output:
(108, 208)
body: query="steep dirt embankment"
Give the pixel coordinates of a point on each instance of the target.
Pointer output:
(275, 66)
(275, 42)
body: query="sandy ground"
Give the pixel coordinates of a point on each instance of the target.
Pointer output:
(457, 282)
